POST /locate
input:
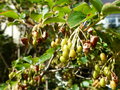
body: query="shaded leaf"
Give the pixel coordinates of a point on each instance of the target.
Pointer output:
(46, 55)
(75, 18)
(116, 2)
(113, 41)
(12, 23)
(97, 4)
(22, 66)
(110, 9)
(3, 86)
(89, 16)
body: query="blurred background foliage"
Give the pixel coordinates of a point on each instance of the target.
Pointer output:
(51, 16)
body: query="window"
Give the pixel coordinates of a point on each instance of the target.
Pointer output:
(111, 20)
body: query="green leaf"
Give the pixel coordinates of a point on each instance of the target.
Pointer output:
(62, 2)
(54, 20)
(10, 14)
(3, 86)
(47, 15)
(97, 4)
(22, 66)
(12, 23)
(35, 1)
(62, 10)
(28, 59)
(75, 87)
(84, 60)
(65, 9)
(83, 7)
(36, 17)
(13, 83)
(110, 9)
(50, 3)
(2, 6)
(116, 2)
(46, 55)
(35, 60)
(89, 16)
(75, 18)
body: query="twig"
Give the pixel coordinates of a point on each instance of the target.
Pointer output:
(106, 63)
(46, 86)
(82, 77)
(47, 65)
(4, 61)
(83, 34)
(59, 69)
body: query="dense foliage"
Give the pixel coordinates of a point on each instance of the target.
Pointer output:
(67, 49)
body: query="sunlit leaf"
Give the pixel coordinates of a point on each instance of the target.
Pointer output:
(35, 60)
(62, 2)
(10, 14)
(47, 15)
(50, 3)
(53, 20)
(64, 9)
(28, 59)
(36, 16)
(83, 7)
(35, 1)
